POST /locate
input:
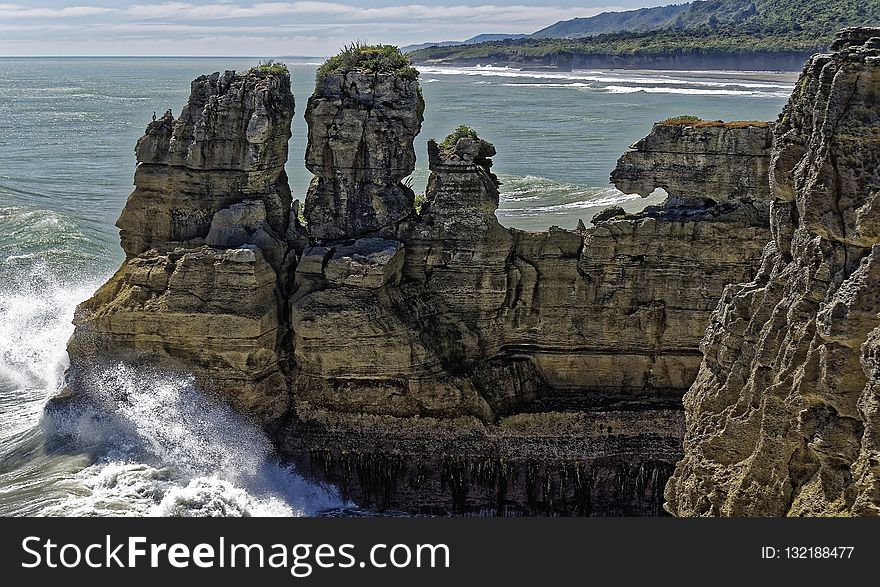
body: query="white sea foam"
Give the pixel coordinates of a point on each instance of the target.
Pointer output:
(622, 82)
(170, 450)
(36, 308)
(145, 442)
(688, 91)
(526, 197)
(610, 200)
(600, 76)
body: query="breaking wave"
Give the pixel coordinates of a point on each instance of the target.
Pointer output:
(623, 82)
(133, 442)
(547, 200)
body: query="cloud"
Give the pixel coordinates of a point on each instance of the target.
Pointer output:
(228, 11)
(182, 27)
(339, 12)
(19, 11)
(402, 12)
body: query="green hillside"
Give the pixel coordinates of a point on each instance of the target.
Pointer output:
(705, 28)
(644, 19)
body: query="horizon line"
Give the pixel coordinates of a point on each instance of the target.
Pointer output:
(161, 56)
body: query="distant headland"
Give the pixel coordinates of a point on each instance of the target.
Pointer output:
(755, 35)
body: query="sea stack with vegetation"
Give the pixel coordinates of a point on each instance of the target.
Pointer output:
(362, 119)
(435, 361)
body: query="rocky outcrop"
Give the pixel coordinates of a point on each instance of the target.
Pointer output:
(698, 162)
(203, 232)
(442, 384)
(783, 416)
(433, 361)
(361, 131)
(228, 145)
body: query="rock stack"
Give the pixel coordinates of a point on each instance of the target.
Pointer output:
(361, 131)
(437, 361)
(227, 147)
(203, 235)
(700, 162)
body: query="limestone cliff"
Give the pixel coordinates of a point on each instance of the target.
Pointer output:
(700, 161)
(228, 145)
(427, 358)
(360, 148)
(203, 232)
(783, 416)
(433, 361)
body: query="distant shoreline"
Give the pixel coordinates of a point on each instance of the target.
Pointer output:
(759, 61)
(763, 75)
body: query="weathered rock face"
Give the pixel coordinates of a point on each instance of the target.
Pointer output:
(203, 232)
(700, 162)
(361, 131)
(437, 361)
(228, 145)
(211, 312)
(783, 416)
(435, 369)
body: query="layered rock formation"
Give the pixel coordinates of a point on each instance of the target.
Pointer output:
(462, 366)
(229, 144)
(203, 233)
(783, 416)
(700, 162)
(436, 361)
(360, 148)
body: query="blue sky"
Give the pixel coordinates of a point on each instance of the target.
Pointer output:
(268, 27)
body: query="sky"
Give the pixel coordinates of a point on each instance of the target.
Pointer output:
(269, 28)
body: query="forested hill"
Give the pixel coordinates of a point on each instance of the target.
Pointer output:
(644, 19)
(762, 34)
(822, 16)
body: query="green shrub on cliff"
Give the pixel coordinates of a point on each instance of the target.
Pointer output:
(369, 59)
(696, 121)
(462, 132)
(709, 28)
(271, 66)
(685, 119)
(419, 202)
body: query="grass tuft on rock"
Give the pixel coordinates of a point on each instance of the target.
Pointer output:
(369, 59)
(698, 122)
(462, 132)
(271, 66)
(447, 146)
(419, 202)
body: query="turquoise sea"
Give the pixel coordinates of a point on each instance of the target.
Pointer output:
(68, 127)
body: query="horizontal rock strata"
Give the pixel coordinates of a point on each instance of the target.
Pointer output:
(419, 356)
(783, 416)
(700, 162)
(361, 131)
(203, 233)
(433, 361)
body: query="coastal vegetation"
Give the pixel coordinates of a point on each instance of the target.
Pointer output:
(688, 120)
(419, 202)
(271, 66)
(365, 58)
(463, 132)
(705, 40)
(711, 27)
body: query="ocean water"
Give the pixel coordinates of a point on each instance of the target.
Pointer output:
(148, 443)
